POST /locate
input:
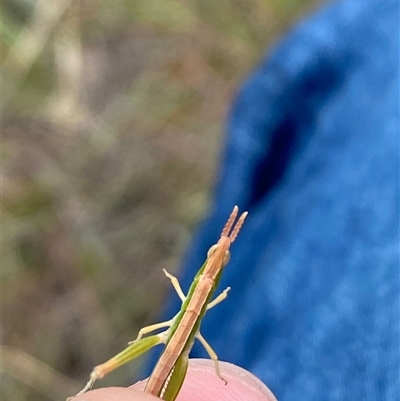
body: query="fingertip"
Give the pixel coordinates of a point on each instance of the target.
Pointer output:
(202, 384)
(242, 385)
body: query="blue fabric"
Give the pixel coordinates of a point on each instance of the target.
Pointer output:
(312, 153)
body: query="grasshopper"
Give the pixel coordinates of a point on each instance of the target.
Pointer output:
(170, 370)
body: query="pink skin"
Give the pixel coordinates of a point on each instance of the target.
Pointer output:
(201, 384)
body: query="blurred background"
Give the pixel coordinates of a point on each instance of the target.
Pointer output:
(112, 126)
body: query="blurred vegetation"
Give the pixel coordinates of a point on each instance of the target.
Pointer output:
(112, 114)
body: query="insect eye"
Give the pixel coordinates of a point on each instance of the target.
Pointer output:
(211, 251)
(227, 257)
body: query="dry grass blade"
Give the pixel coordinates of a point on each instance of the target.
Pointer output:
(35, 373)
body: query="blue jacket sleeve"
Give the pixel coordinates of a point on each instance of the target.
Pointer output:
(312, 152)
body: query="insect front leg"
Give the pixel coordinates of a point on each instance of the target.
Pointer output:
(176, 285)
(219, 298)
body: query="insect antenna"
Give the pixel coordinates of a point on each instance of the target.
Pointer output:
(229, 223)
(238, 226)
(230, 227)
